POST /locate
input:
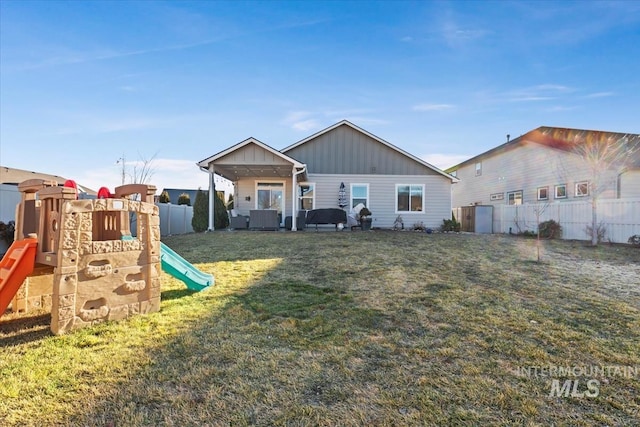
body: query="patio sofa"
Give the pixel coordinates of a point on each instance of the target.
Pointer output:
(326, 216)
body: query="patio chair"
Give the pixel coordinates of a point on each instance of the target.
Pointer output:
(238, 222)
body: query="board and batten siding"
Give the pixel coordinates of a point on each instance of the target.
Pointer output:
(252, 154)
(526, 167)
(382, 196)
(344, 150)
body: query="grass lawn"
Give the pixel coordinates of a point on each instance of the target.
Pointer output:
(350, 329)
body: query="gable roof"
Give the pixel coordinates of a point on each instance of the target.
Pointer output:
(564, 139)
(16, 176)
(250, 140)
(236, 168)
(375, 138)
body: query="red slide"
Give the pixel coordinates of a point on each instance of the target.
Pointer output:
(15, 266)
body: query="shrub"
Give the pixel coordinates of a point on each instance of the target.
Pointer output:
(528, 233)
(601, 231)
(550, 230)
(450, 224)
(221, 219)
(419, 226)
(7, 231)
(634, 240)
(200, 220)
(164, 197)
(184, 199)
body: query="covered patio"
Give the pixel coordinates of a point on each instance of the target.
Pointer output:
(264, 179)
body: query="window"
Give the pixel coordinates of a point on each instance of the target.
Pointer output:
(306, 195)
(360, 194)
(561, 191)
(582, 189)
(496, 196)
(478, 168)
(409, 198)
(514, 197)
(543, 193)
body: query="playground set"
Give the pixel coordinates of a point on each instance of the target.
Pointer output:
(80, 259)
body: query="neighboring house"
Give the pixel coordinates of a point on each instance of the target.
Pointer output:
(308, 174)
(10, 196)
(541, 166)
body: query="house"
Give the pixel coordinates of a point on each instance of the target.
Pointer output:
(308, 175)
(542, 166)
(10, 196)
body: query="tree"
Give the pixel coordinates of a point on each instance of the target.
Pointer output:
(606, 158)
(184, 199)
(200, 220)
(143, 169)
(221, 218)
(164, 197)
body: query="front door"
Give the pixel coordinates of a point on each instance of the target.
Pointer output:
(271, 196)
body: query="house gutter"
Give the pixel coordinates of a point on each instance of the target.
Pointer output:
(294, 210)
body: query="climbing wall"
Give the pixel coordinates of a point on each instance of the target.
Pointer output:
(103, 272)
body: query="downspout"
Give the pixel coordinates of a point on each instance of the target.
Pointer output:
(211, 195)
(294, 210)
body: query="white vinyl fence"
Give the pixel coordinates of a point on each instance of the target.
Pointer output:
(621, 218)
(175, 219)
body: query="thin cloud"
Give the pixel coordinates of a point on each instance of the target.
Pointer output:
(599, 95)
(433, 107)
(542, 92)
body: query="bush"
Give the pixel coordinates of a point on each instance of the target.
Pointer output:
(200, 220)
(634, 240)
(528, 233)
(450, 224)
(221, 219)
(419, 226)
(550, 230)
(164, 197)
(184, 199)
(7, 231)
(601, 231)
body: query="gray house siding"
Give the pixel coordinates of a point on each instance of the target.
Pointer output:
(525, 168)
(630, 184)
(252, 154)
(382, 196)
(344, 150)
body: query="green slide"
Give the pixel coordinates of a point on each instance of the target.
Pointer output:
(181, 269)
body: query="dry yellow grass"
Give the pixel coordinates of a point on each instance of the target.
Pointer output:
(341, 328)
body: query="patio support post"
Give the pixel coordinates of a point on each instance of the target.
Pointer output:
(212, 195)
(294, 193)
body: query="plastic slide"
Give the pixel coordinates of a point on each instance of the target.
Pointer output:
(178, 267)
(16, 265)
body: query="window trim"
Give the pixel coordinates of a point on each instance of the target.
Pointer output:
(555, 191)
(580, 194)
(514, 193)
(479, 168)
(300, 197)
(547, 191)
(358, 184)
(422, 206)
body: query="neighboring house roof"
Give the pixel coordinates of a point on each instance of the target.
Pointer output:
(16, 176)
(236, 167)
(374, 137)
(564, 139)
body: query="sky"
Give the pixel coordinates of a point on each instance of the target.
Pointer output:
(86, 84)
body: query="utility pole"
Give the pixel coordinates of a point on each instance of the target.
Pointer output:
(121, 160)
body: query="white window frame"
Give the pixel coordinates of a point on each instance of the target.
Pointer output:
(580, 193)
(313, 197)
(514, 197)
(422, 207)
(547, 195)
(478, 168)
(356, 184)
(555, 191)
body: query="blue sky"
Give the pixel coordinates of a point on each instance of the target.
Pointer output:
(83, 84)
